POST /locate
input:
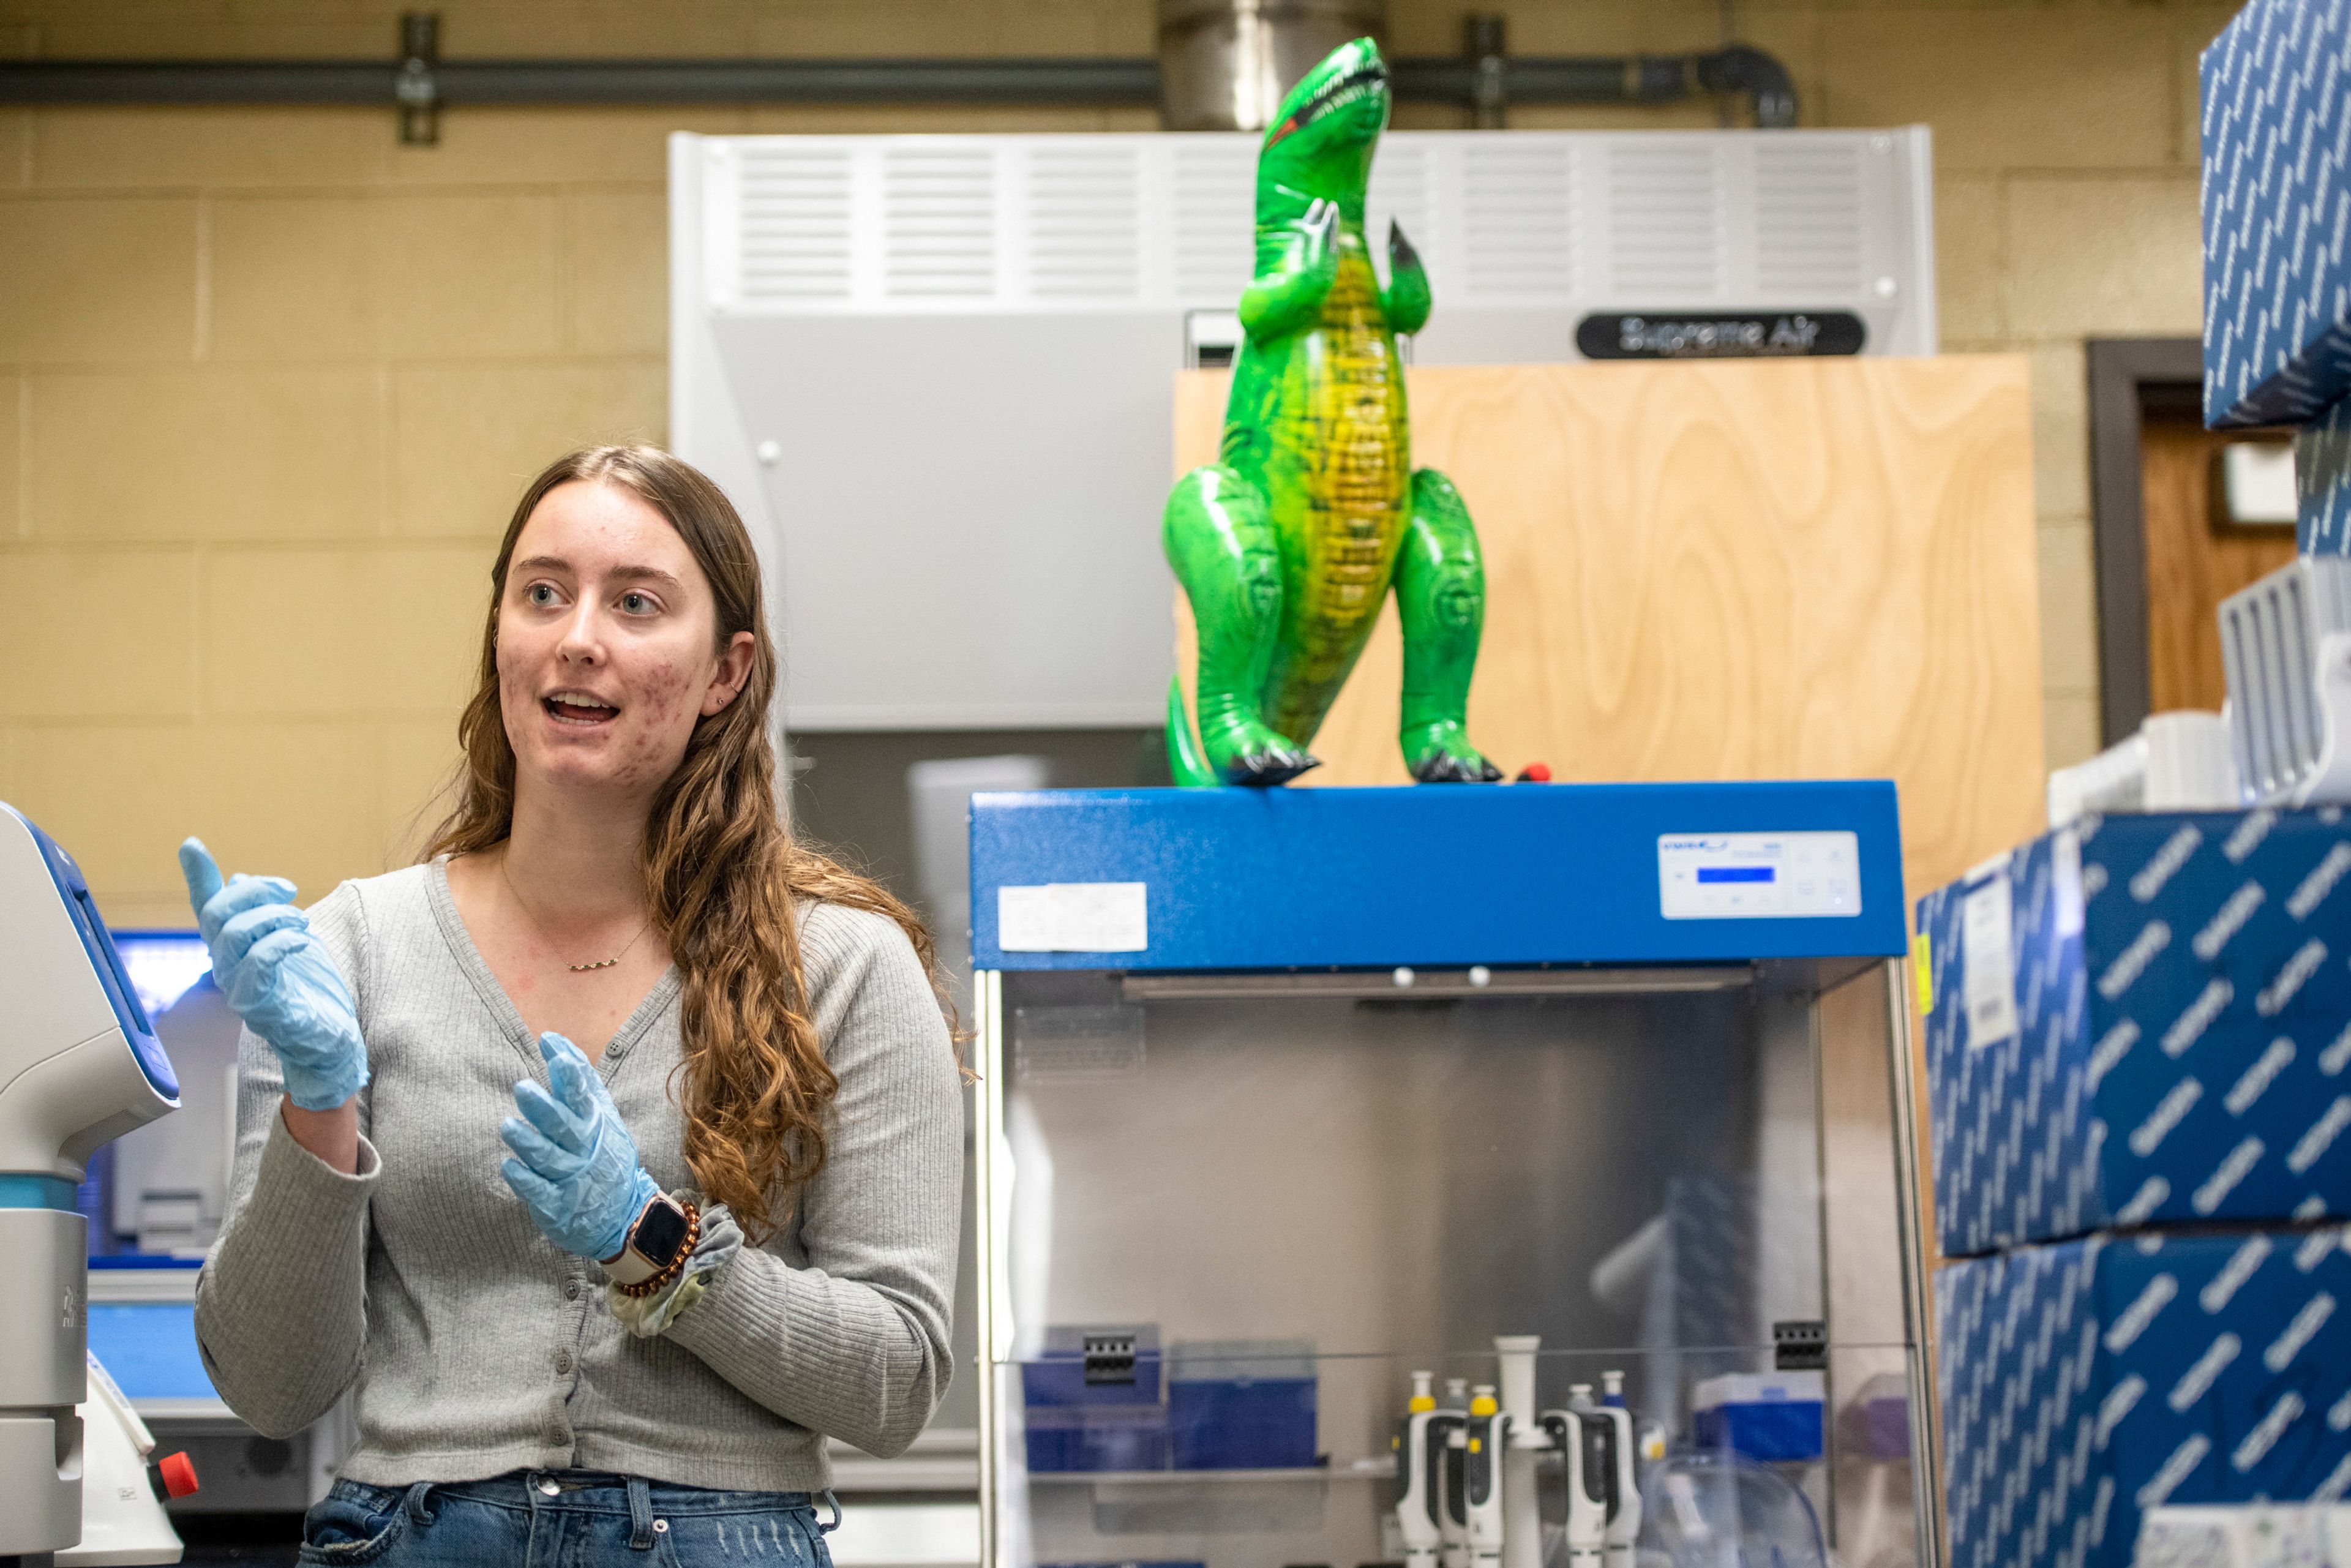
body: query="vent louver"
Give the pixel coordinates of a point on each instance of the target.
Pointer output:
(796, 220)
(1644, 222)
(1664, 221)
(1085, 215)
(1516, 233)
(2281, 721)
(1211, 219)
(1808, 201)
(938, 222)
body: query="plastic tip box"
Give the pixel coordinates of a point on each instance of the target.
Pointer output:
(1770, 1416)
(1241, 1405)
(1093, 1400)
(1107, 1399)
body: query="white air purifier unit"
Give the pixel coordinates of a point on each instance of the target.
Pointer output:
(2285, 646)
(936, 372)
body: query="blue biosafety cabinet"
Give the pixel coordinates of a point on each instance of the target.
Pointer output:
(1287, 1095)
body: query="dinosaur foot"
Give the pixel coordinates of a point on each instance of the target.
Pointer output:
(1443, 754)
(1268, 766)
(1440, 766)
(1256, 756)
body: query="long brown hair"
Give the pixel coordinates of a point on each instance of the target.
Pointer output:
(722, 871)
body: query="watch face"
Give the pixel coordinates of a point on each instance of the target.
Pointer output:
(659, 1233)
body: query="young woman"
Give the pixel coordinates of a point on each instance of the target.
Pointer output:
(612, 1154)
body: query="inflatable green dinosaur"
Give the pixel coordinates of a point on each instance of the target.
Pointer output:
(1287, 544)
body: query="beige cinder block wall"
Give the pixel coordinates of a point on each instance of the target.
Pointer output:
(269, 382)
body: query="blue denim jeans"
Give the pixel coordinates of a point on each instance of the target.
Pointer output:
(564, 1519)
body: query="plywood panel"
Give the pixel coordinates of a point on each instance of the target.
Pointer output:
(1808, 568)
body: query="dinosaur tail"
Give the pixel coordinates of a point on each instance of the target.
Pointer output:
(1185, 758)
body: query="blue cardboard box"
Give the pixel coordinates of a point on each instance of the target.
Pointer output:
(2142, 1020)
(2277, 91)
(2085, 1382)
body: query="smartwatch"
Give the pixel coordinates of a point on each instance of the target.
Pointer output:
(654, 1241)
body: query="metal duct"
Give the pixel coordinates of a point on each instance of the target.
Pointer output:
(1224, 64)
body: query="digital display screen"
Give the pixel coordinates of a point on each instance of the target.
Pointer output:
(1735, 873)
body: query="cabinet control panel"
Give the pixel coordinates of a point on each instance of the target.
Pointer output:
(1757, 876)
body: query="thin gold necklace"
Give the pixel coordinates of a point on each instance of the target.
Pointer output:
(575, 968)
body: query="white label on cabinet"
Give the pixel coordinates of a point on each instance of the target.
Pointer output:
(1988, 952)
(1073, 917)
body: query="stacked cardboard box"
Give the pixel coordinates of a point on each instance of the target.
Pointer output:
(2276, 89)
(2139, 1050)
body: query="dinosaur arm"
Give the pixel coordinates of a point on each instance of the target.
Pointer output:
(1404, 302)
(1289, 294)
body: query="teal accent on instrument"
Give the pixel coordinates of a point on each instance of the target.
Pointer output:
(36, 1192)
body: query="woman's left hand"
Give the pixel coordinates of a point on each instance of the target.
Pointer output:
(574, 1162)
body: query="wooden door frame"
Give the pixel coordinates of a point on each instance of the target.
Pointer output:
(2129, 377)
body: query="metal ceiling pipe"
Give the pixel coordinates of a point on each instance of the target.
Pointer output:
(459, 83)
(1646, 79)
(1602, 79)
(1484, 80)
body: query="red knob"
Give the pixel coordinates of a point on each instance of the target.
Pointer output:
(179, 1475)
(1535, 773)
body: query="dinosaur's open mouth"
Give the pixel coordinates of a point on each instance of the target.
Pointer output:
(1333, 95)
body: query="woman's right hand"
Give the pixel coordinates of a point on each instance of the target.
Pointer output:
(278, 979)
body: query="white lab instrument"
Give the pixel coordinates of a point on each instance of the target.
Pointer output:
(1521, 1503)
(2285, 645)
(2177, 762)
(1452, 1479)
(1420, 1464)
(1604, 1499)
(1598, 1448)
(123, 1520)
(79, 1065)
(171, 1180)
(1488, 1440)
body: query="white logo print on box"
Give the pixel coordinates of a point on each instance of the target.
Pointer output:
(2166, 862)
(2152, 940)
(2316, 1142)
(2135, 1317)
(2259, 1076)
(2229, 919)
(2225, 1177)
(2297, 973)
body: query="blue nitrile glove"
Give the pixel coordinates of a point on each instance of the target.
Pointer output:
(278, 979)
(574, 1162)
